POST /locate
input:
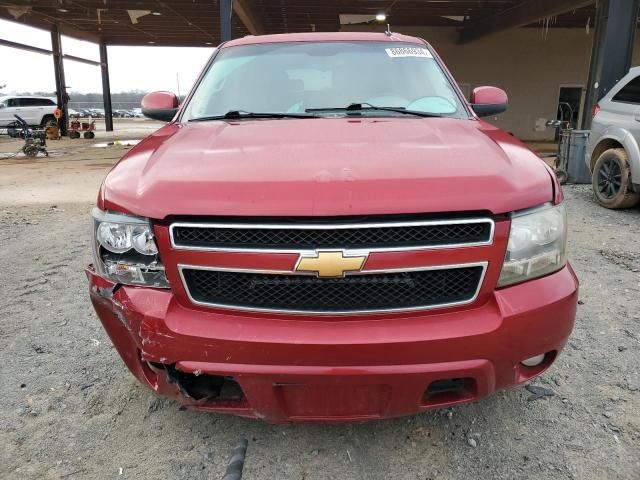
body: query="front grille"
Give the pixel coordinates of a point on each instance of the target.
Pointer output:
(354, 293)
(353, 236)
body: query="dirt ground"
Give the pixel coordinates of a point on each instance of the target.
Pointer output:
(70, 409)
(74, 170)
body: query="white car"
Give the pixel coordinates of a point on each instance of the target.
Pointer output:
(36, 111)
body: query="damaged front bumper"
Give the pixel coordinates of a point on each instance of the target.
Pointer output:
(285, 370)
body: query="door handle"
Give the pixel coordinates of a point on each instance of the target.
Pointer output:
(636, 115)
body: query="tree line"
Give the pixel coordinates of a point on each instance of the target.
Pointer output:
(122, 100)
(125, 100)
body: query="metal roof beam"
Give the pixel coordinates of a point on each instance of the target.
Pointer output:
(519, 15)
(22, 46)
(81, 60)
(249, 17)
(44, 51)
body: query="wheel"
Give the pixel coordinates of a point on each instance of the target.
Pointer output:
(30, 150)
(49, 121)
(89, 135)
(74, 134)
(612, 180)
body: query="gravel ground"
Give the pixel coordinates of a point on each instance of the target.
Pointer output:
(71, 410)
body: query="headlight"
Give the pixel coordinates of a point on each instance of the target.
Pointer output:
(122, 237)
(125, 250)
(537, 245)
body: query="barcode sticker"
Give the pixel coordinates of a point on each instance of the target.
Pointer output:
(401, 52)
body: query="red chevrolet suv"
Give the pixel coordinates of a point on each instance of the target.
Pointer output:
(326, 231)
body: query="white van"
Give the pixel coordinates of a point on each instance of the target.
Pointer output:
(36, 111)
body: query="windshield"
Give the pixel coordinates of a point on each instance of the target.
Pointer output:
(324, 78)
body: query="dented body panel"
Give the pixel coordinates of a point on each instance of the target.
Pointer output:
(356, 370)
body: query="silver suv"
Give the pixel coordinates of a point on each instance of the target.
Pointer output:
(613, 153)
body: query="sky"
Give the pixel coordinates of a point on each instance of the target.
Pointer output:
(130, 68)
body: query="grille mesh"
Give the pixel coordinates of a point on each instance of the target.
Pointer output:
(397, 290)
(356, 237)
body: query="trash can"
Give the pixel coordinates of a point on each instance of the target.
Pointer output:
(573, 149)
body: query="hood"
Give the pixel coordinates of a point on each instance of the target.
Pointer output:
(327, 167)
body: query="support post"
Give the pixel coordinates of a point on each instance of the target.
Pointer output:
(226, 11)
(612, 50)
(106, 88)
(61, 86)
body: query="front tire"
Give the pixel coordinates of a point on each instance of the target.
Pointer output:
(612, 180)
(49, 121)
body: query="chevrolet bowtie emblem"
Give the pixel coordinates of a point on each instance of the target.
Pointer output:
(330, 264)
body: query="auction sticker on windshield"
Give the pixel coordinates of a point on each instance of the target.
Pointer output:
(400, 52)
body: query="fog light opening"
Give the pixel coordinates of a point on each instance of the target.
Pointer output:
(533, 361)
(534, 366)
(450, 390)
(204, 387)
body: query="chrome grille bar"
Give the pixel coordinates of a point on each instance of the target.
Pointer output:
(380, 230)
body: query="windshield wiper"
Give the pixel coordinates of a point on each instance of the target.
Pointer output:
(239, 114)
(363, 107)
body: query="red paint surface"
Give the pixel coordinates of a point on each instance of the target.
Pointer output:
(159, 100)
(334, 368)
(327, 167)
(489, 96)
(323, 37)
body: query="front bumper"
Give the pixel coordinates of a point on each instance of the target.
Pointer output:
(319, 369)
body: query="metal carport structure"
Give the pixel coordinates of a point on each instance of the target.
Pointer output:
(210, 22)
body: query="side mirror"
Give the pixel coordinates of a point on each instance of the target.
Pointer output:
(160, 106)
(487, 101)
(2, 105)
